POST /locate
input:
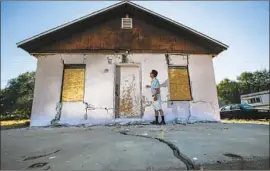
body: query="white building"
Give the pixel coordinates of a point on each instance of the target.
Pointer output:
(257, 100)
(96, 69)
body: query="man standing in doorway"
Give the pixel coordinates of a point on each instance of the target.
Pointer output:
(155, 88)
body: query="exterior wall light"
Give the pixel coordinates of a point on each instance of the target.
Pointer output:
(109, 58)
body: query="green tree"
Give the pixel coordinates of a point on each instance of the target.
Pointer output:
(228, 91)
(248, 82)
(261, 81)
(16, 98)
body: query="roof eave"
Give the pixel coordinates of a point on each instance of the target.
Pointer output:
(179, 24)
(222, 45)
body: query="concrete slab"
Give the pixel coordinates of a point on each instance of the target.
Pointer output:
(215, 143)
(83, 149)
(208, 146)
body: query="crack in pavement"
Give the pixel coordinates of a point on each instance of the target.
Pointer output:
(236, 156)
(37, 165)
(176, 152)
(233, 155)
(39, 156)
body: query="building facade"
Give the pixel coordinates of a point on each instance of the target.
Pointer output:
(96, 69)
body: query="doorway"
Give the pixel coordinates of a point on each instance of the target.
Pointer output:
(127, 91)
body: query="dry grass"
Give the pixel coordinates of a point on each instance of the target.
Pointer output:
(261, 121)
(23, 122)
(14, 122)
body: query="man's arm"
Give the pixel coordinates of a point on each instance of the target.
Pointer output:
(157, 91)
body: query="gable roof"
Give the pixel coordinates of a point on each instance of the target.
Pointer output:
(31, 43)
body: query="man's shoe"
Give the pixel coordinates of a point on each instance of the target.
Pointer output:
(162, 123)
(154, 123)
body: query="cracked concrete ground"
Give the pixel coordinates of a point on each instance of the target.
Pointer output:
(206, 146)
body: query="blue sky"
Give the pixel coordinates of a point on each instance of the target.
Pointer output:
(243, 25)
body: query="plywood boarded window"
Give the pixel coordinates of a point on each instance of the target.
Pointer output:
(179, 84)
(73, 83)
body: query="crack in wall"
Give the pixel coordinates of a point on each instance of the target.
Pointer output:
(92, 107)
(198, 101)
(202, 101)
(87, 107)
(189, 113)
(176, 152)
(145, 102)
(58, 109)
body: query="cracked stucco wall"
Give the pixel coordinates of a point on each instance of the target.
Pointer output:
(46, 92)
(99, 88)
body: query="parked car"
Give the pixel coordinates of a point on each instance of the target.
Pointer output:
(243, 111)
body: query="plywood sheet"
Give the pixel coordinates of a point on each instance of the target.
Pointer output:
(73, 85)
(179, 84)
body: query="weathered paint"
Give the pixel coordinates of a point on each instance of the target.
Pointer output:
(100, 88)
(47, 90)
(129, 96)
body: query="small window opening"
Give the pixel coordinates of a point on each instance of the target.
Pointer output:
(126, 23)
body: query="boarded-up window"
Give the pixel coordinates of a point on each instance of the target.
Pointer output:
(73, 83)
(179, 83)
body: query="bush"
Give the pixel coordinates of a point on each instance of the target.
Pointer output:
(16, 99)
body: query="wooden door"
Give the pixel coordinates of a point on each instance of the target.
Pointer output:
(127, 92)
